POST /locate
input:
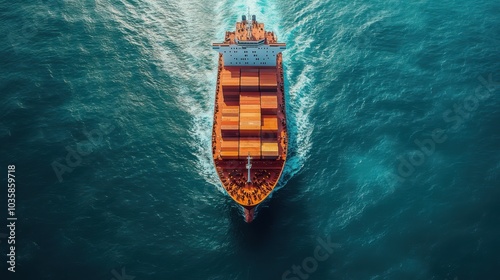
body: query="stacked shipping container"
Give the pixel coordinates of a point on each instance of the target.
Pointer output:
(230, 78)
(267, 79)
(249, 79)
(229, 148)
(268, 85)
(230, 82)
(249, 113)
(249, 146)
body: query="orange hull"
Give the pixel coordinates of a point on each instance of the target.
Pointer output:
(249, 126)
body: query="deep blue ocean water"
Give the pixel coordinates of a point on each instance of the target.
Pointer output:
(394, 114)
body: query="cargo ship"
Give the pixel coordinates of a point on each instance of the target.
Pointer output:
(249, 136)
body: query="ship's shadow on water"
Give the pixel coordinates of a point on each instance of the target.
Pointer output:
(262, 249)
(278, 220)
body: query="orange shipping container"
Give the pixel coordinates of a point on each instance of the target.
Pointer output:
(228, 145)
(250, 108)
(230, 118)
(230, 79)
(249, 81)
(269, 123)
(229, 154)
(249, 100)
(269, 99)
(230, 112)
(249, 125)
(244, 115)
(269, 150)
(230, 127)
(249, 146)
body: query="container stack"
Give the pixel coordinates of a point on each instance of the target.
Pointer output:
(250, 114)
(269, 149)
(230, 79)
(231, 97)
(269, 146)
(267, 79)
(269, 102)
(230, 121)
(250, 98)
(229, 148)
(249, 79)
(230, 132)
(269, 124)
(249, 145)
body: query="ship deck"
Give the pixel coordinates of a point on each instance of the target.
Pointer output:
(249, 120)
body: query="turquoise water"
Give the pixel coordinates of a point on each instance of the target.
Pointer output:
(393, 172)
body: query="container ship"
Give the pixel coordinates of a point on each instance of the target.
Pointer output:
(249, 137)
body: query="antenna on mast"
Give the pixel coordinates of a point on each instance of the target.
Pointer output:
(249, 166)
(249, 25)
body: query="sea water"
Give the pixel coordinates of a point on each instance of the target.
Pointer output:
(393, 112)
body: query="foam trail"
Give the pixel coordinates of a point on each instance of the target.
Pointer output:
(300, 93)
(300, 128)
(156, 25)
(300, 101)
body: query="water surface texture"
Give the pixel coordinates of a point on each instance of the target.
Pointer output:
(394, 111)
